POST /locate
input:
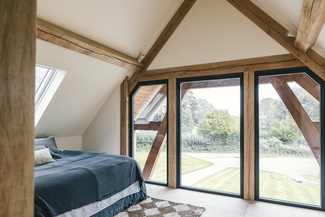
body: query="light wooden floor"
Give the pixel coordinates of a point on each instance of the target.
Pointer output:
(223, 206)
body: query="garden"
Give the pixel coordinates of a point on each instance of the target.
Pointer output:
(205, 129)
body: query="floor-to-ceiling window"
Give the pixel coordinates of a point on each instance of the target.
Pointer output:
(210, 134)
(288, 137)
(289, 115)
(149, 130)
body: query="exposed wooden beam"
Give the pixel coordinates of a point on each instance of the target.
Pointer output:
(150, 126)
(303, 80)
(162, 39)
(312, 20)
(311, 59)
(211, 83)
(65, 38)
(160, 139)
(143, 98)
(310, 86)
(124, 118)
(17, 93)
(300, 116)
(155, 150)
(283, 78)
(155, 103)
(252, 64)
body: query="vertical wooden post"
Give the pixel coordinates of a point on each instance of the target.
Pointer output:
(249, 142)
(172, 132)
(124, 118)
(17, 92)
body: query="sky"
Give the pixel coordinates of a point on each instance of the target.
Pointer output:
(228, 98)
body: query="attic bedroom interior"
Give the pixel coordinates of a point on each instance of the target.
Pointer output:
(220, 103)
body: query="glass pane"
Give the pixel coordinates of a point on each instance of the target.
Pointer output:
(40, 75)
(210, 135)
(289, 139)
(150, 131)
(43, 77)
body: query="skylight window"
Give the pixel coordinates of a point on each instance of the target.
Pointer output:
(47, 81)
(43, 78)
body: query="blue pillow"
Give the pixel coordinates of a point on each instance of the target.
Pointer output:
(54, 155)
(39, 147)
(48, 142)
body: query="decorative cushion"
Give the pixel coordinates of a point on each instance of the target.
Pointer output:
(42, 156)
(48, 142)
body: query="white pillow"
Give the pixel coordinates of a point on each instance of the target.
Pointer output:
(42, 156)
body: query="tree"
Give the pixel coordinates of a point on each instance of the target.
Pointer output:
(285, 130)
(193, 110)
(219, 123)
(271, 109)
(187, 122)
(310, 104)
(204, 107)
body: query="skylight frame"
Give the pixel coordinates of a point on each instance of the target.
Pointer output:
(46, 89)
(41, 89)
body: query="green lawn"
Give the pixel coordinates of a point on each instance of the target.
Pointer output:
(189, 164)
(281, 187)
(227, 180)
(272, 185)
(312, 178)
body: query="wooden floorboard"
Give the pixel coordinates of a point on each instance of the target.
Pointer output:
(224, 206)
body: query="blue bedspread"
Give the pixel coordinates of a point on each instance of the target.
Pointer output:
(82, 178)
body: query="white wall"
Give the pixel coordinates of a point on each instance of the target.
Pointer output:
(103, 134)
(69, 143)
(213, 31)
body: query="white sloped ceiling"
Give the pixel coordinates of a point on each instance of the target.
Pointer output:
(126, 26)
(212, 31)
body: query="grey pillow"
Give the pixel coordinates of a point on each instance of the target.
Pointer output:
(42, 156)
(48, 142)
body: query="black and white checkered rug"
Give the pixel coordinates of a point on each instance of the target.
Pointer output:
(153, 207)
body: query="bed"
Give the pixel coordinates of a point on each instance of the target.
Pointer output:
(76, 183)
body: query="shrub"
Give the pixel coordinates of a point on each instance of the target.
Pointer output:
(285, 130)
(144, 139)
(198, 143)
(275, 147)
